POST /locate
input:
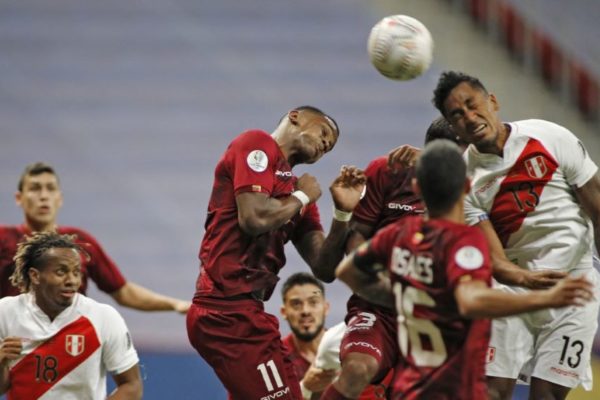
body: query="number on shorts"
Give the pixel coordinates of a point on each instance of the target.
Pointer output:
(265, 374)
(571, 361)
(411, 329)
(368, 320)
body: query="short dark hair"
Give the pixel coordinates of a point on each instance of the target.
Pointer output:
(300, 278)
(447, 82)
(316, 111)
(34, 169)
(32, 250)
(440, 129)
(441, 173)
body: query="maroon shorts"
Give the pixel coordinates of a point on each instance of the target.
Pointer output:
(243, 345)
(371, 330)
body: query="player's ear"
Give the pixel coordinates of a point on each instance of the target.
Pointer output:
(18, 198)
(415, 187)
(327, 307)
(34, 276)
(293, 117)
(282, 312)
(494, 102)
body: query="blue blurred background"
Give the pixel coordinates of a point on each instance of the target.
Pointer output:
(134, 102)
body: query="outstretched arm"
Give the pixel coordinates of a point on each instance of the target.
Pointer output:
(129, 385)
(140, 298)
(509, 273)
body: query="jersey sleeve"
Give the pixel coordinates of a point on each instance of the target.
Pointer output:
(101, 268)
(252, 159)
(573, 158)
(310, 220)
(468, 256)
(370, 206)
(118, 353)
(473, 212)
(328, 353)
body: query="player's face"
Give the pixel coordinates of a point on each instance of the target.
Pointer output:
(317, 136)
(57, 280)
(473, 115)
(305, 309)
(40, 198)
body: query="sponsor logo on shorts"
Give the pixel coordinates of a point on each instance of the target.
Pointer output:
(363, 344)
(562, 372)
(277, 395)
(491, 353)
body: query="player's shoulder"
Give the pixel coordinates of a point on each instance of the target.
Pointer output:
(99, 312)
(8, 229)
(253, 137)
(12, 304)
(540, 129)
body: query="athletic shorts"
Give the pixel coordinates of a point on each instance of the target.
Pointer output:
(242, 344)
(554, 344)
(371, 330)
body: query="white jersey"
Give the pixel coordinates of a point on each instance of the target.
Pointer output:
(528, 196)
(67, 358)
(328, 353)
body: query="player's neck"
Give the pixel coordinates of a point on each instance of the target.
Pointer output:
(36, 226)
(456, 214)
(308, 349)
(286, 145)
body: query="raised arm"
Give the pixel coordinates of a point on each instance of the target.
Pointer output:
(507, 272)
(140, 298)
(589, 198)
(129, 385)
(258, 213)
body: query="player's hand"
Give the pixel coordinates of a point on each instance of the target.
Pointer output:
(403, 157)
(309, 185)
(347, 188)
(182, 306)
(317, 379)
(542, 279)
(10, 349)
(570, 292)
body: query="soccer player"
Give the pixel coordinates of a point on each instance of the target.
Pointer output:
(536, 197)
(305, 308)
(55, 343)
(256, 206)
(40, 197)
(436, 271)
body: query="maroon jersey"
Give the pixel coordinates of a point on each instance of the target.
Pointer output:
(301, 364)
(233, 262)
(388, 197)
(100, 268)
(443, 352)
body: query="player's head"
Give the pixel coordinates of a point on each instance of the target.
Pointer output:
(469, 108)
(49, 265)
(38, 194)
(304, 305)
(441, 176)
(441, 129)
(308, 133)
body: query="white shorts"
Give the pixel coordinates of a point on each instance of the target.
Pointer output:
(554, 345)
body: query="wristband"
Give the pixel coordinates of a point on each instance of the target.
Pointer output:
(300, 195)
(306, 394)
(342, 216)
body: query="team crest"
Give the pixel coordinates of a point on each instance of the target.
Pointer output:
(536, 167)
(75, 344)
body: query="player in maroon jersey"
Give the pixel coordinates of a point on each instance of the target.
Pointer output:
(436, 270)
(256, 206)
(40, 197)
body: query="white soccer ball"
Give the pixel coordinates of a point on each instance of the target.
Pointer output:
(400, 47)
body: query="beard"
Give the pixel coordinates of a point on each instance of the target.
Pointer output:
(304, 336)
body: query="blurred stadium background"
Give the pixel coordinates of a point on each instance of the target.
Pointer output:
(134, 102)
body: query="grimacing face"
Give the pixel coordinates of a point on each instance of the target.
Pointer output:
(473, 115)
(56, 280)
(305, 309)
(317, 135)
(40, 198)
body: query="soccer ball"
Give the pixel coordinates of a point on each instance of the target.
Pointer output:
(400, 47)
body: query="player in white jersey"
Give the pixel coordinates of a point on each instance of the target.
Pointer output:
(54, 342)
(536, 195)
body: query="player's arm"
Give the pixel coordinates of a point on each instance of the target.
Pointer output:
(259, 213)
(508, 273)
(589, 198)
(129, 385)
(10, 349)
(140, 298)
(365, 278)
(476, 300)
(345, 191)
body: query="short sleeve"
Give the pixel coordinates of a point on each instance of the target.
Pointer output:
(473, 212)
(118, 353)
(573, 159)
(370, 206)
(468, 256)
(328, 353)
(100, 267)
(252, 158)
